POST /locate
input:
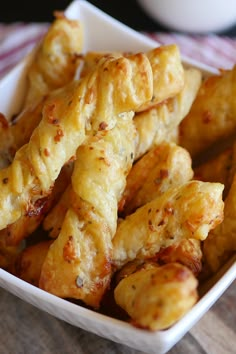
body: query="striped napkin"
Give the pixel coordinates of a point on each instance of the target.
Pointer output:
(213, 50)
(18, 39)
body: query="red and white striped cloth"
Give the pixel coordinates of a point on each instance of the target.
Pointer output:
(213, 50)
(18, 39)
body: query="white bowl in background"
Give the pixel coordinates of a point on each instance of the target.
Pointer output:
(197, 16)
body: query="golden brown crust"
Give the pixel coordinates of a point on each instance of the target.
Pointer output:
(212, 115)
(167, 68)
(157, 125)
(166, 64)
(98, 181)
(82, 251)
(23, 227)
(28, 178)
(154, 173)
(157, 297)
(192, 78)
(188, 252)
(187, 211)
(56, 59)
(122, 113)
(66, 115)
(180, 105)
(82, 270)
(168, 74)
(91, 60)
(54, 65)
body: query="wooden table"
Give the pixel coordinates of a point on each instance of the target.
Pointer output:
(26, 330)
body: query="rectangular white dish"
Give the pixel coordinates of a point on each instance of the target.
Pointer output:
(104, 33)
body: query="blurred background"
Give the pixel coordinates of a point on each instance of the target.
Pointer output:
(128, 12)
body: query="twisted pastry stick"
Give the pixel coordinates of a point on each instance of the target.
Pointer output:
(187, 211)
(212, 115)
(165, 62)
(154, 173)
(54, 65)
(28, 223)
(44, 77)
(56, 59)
(149, 177)
(66, 114)
(78, 264)
(157, 297)
(168, 73)
(156, 124)
(59, 52)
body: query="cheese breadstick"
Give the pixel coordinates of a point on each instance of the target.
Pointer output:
(54, 65)
(78, 264)
(187, 211)
(67, 114)
(56, 59)
(157, 297)
(156, 125)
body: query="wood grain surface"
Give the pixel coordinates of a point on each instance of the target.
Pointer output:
(27, 330)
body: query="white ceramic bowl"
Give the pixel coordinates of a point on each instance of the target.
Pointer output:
(118, 37)
(199, 16)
